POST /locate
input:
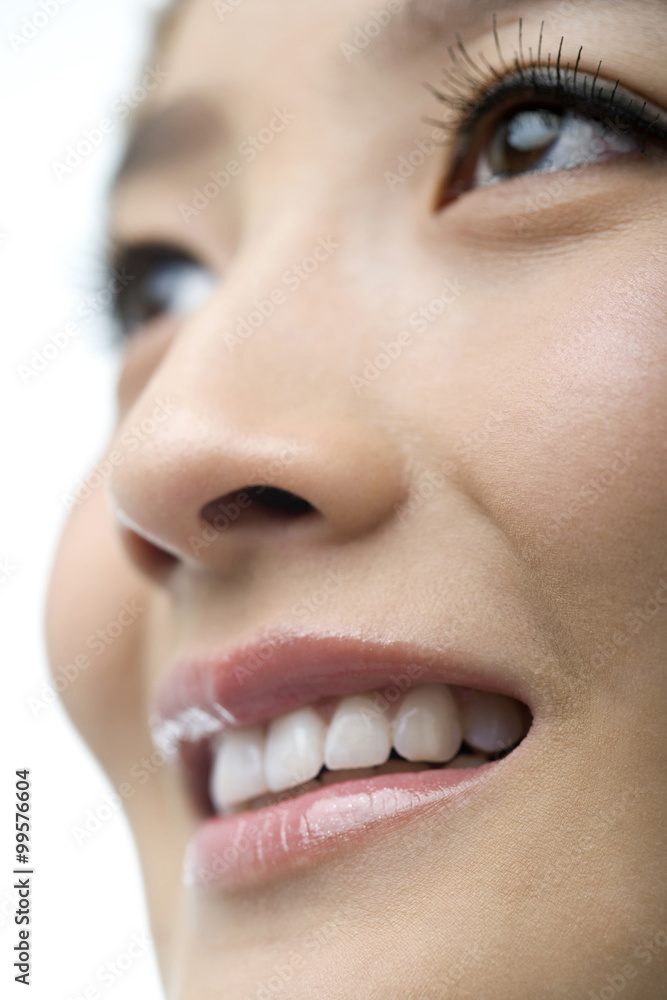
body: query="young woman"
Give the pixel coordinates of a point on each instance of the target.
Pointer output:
(367, 598)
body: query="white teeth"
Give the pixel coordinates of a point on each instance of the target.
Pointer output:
(426, 726)
(467, 760)
(359, 735)
(255, 763)
(491, 722)
(294, 749)
(238, 770)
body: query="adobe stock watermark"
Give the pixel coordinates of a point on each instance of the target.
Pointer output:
(8, 907)
(227, 511)
(408, 163)
(604, 822)
(248, 150)
(434, 481)
(32, 25)
(645, 953)
(553, 193)
(196, 874)
(555, 16)
(93, 305)
(332, 583)
(462, 965)
(132, 439)
(96, 817)
(96, 644)
(634, 622)
(292, 279)
(390, 694)
(364, 34)
(7, 569)
(225, 7)
(92, 138)
(110, 973)
(587, 496)
(284, 971)
(419, 321)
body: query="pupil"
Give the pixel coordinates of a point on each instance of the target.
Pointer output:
(523, 139)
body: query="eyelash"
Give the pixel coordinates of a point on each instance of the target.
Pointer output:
(472, 99)
(130, 307)
(472, 92)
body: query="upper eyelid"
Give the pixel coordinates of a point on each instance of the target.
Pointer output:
(610, 98)
(468, 77)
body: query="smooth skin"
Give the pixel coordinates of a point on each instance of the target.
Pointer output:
(537, 403)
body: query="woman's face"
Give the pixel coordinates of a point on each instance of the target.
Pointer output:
(392, 424)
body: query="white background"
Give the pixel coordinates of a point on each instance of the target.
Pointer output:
(87, 902)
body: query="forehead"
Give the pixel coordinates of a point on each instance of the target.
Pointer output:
(259, 22)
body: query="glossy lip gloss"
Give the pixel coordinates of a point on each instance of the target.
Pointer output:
(255, 847)
(205, 694)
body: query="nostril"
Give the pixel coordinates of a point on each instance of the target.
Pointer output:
(279, 501)
(255, 503)
(150, 558)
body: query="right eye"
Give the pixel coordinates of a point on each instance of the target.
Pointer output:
(157, 280)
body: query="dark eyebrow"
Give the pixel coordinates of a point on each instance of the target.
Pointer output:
(422, 22)
(169, 135)
(191, 125)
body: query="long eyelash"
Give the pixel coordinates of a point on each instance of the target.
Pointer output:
(468, 97)
(539, 47)
(464, 52)
(498, 46)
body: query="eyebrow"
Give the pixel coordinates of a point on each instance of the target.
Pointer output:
(441, 13)
(422, 22)
(169, 135)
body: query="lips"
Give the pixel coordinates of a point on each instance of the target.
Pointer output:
(247, 722)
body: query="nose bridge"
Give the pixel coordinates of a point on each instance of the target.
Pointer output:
(271, 347)
(281, 294)
(251, 399)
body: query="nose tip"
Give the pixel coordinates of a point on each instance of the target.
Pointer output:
(199, 494)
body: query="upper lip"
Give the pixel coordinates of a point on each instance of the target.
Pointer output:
(276, 671)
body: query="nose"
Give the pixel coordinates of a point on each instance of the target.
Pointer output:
(213, 461)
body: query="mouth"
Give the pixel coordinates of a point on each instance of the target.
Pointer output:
(293, 748)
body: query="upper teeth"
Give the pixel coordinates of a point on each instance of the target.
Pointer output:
(359, 735)
(428, 725)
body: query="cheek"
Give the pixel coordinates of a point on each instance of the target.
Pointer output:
(577, 476)
(593, 454)
(96, 616)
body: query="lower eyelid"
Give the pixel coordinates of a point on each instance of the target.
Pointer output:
(549, 213)
(142, 353)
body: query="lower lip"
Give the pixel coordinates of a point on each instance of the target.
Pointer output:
(259, 846)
